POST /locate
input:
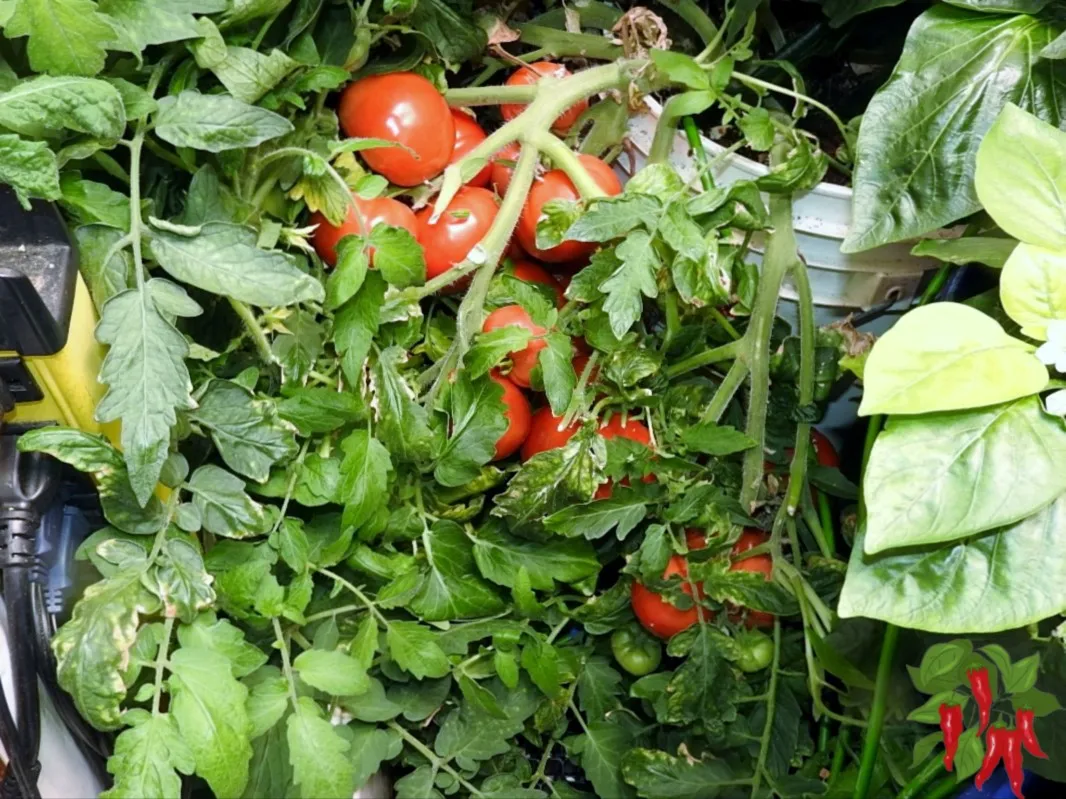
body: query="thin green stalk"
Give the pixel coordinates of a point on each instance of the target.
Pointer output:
(771, 700)
(714, 355)
(840, 749)
(825, 519)
(367, 602)
(933, 768)
(937, 283)
(286, 665)
(431, 756)
(567, 160)
(871, 744)
(798, 470)
(695, 141)
(724, 323)
(662, 142)
(673, 319)
(723, 395)
(780, 256)
(814, 524)
(748, 80)
(160, 662)
(165, 155)
(255, 332)
(111, 166)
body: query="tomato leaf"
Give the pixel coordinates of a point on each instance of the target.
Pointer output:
(476, 410)
(147, 758)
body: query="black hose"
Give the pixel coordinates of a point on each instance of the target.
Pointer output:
(18, 597)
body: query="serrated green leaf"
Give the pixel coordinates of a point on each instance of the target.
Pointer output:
(556, 363)
(716, 440)
(658, 775)
(450, 588)
(224, 259)
(147, 381)
(67, 37)
(219, 635)
(398, 256)
(415, 649)
(315, 409)
(208, 704)
(364, 477)
(476, 410)
(146, 761)
(226, 509)
(30, 168)
(611, 217)
(333, 672)
(105, 279)
(268, 701)
(491, 348)
(499, 556)
(249, 74)
(349, 272)
(321, 766)
(403, 425)
(635, 277)
(146, 22)
(43, 105)
(215, 122)
(91, 202)
(247, 431)
(599, 751)
(623, 510)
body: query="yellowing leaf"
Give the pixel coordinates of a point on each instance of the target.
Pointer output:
(1032, 288)
(947, 356)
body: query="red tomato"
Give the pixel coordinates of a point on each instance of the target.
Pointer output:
(555, 185)
(518, 418)
(760, 564)
(527, 76)
(544, 433)
(522, 361)
(406, 108)
(657, 615)
(534, 273)
(371, 213)
(468, 135)
(460, 228)
(824, 451)
(502, 167)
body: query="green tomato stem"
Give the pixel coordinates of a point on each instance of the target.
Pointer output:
(840, 749)
(780, 256)
(717, 354)
(286, 665)
(798, 470)
(771, 700)
(871, 744)
(933, 768)
(567, 160)
(160, 662)
(255, 333)
(695, 16)
(429, 754)
(695, 141)
(723, 395)
(563, 44)
(825, 518)
(750, 81)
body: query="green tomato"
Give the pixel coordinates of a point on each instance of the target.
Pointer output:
(636, 651)
(755, 649)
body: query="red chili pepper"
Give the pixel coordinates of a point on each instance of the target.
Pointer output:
(1012, 759)
(951, 725)
(1029, 741)
(995, 746)
(982, 692)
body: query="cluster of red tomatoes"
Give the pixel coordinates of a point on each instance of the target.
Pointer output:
(407, 109)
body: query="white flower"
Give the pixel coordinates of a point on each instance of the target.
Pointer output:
(1056, 403)
(1053, 351)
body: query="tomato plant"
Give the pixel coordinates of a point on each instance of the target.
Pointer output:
(636, 652)
(404, 108)
(659, 616)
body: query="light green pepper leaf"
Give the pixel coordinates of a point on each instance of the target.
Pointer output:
(946, 356)
(1032, 288)
(946, 476)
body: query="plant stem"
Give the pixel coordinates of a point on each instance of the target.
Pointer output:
(871, 744)
(725, 324)
(428, 753)
(825, 518)
(725, 391)
(779, 258)
(563, 44)
(696, 143)
(358, 594)
(673, 319)
(937, 283)
(773, 87)
(717, 354)
(325, 614)
(165, 155)
(251, 326)
(567, 160)
(824, 537)
(160, 662)
(933, 768)
(286, 666)
(111, 166)
(798, 468)
(839, 751)
(771, 700)
(949, 786)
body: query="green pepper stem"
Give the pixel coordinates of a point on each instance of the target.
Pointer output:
(871, 745)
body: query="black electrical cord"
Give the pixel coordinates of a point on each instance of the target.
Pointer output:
(18, 598)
